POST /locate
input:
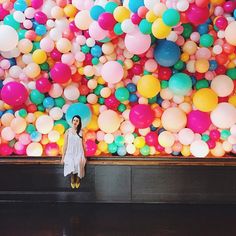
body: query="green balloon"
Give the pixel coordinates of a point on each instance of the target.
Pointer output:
(205, 137)
(82, 99)
(85, 49)
(122, 107)
(164, 84)
(206, 40)
(62, 122)
(119, 140)
(40, 107)
(36, 45)
(101, 100)
(225, 134)
(180, 83)
(202, 84)
(117, 29)
(188, 29)
(9, 20)
(135, 58)
(231, 73)
(145, 150)
(112, 147)
(122, 94)
(36, 97)
(110, 7)
(44, 66)
(179, 65)
(152, 100)
(21, 34)
(95, 61)
(171, 17)
(98, 89)
(22, 113)
(59, 102)
(30, 128)
(145, 27)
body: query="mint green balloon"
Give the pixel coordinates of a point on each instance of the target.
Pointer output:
(122, 94)
(119, 140)
(225, 134)
(36, 97)
(145, 150)
(112, 148)
(206, 40)
(145, 27)
(171, 17)
(9, 20)
(180, 83)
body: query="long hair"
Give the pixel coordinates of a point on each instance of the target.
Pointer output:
(79, 125)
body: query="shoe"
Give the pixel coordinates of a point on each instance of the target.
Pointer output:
(77, 185)
(72, 185)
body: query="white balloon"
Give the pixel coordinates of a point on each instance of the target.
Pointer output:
(9, 38)
(44, 124)
(199, 148)
(71, 93)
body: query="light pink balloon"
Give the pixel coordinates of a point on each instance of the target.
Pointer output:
(96, 32)
(137, 43)
(112, 72)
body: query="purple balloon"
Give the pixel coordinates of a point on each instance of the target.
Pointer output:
(14, 94)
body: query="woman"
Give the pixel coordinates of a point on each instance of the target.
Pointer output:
(73, 153)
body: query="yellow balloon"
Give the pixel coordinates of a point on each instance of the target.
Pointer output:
(59, 128)
(202, 65)
(148, 86)
(185, 151)
(232, 100)
(159, 29)
(205, 100)
(70, 10)
(95, 109)
(121, 13)
(39, 56)
(150, 16)
(93, 124)
(139, 142)
(102, 146)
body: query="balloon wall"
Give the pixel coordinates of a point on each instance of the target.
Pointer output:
(148, 77)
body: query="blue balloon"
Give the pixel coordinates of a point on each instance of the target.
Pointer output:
(79, 109)
(133, 97)
(20, 5)
(203, 29)
(166, 53)
(134, 5)
(40, 30)
(121, 151)
(96, 11)
(131, 87)
(213, 65)
(48, 102)
(96, 51)
(35, 136)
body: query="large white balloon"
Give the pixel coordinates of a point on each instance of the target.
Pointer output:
(44, 124)
(9, 38)
(199, 148)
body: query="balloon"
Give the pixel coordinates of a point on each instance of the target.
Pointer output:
(180, 83)
(166, 139)
(79, 109)
(83, 20)
(151, 139)
(148, 86)
(224, 115)
(222, 85)
(205, 100)
(60, 73)
(9, 38)
(112, 72)
(173, 119)
(199, 148)
(137, 43)
(186, 136)
(44, 124)
(43, 85)
(122, 94)
(141, 116)
(104, 121)
(34, 149)
(198, 121)
(18, 125)
(159, 29)
(51, 149)
(106, 21)
(171, 17)
(230, 34)
(14, 94)
(197, 15)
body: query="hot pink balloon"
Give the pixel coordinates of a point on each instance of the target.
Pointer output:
(60, 73)
(137, 43)
(91, 147)
(198, 121)
(43, 85)
(106, 21)
(14, 94)
(111, 102)
(151, 138)
(141, 116)
(197, 15)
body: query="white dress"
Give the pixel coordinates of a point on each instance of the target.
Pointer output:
(74, 161)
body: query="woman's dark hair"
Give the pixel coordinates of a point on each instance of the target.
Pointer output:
(79, 125)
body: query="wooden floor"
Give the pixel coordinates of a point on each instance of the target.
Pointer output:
(117, 220)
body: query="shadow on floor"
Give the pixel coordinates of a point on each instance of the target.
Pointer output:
(116, 219)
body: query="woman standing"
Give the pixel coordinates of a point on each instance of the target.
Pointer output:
(73, 153)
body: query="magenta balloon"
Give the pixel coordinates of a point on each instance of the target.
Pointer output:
(60, 73)
(14, 94)
(198, 121)
(151, 138)
(43, 85)
(197, 15)
(141, 116)
(111, 102)
(106, 21)
(91, 147)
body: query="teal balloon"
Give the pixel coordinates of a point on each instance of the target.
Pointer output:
(36, 97)
(145, 150)
(9, 20)
(79, 109)
(171, 17)
(145, 27)
(180, 83)
(119, 140)
(122, 94)
(112, 148)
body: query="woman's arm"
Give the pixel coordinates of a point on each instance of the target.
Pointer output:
(64, 146)
(83, 142)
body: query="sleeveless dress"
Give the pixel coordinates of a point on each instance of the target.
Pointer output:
(74, 161)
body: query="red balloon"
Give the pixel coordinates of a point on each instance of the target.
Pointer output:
(14, 94)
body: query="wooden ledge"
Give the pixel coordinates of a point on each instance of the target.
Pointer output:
(128, 161)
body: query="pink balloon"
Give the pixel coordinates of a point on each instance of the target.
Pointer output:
(60, 73)
(111, 102)
(5, 150)
(215, 134)
(151, 139)
(96, 32)
(198, 121)
(112, 72)
(91, 147)
(14, 94)
(197, 15)
(141, 116)
(36, 3)
(43, 85)
(137, 43)
(106, 21)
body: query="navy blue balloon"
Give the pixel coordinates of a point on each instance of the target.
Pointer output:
(166, 53)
